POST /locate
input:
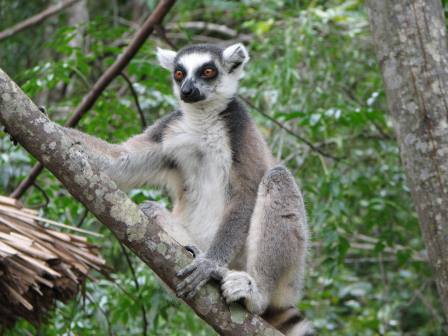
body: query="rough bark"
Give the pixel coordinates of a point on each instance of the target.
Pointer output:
(411, 44)
(36, 19)
(103, 82)
(68, 161)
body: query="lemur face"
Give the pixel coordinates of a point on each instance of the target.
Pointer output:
(205, 73)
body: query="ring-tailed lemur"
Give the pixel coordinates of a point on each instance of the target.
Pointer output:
(230, 198)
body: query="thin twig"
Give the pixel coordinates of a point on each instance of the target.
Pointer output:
(207, 26)
(38, 18)
(162, 34)
(44, 194)
(103, 82)
(194, 38)
(382, 132)
(435, 314)
(200, 38)
(109, 325)
(137, 286)
(291, 132)
(367, 260)
(120, 287)
(83, 217)
(355, 99)
(136, 100)
(128, 23)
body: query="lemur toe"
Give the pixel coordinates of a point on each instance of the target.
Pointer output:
(236, 285)
(194, 250)
(43, 109)
(235, 295)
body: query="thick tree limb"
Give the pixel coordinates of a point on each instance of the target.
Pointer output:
(36, 19)
(68, 161)
(103, 82)
(410, 38)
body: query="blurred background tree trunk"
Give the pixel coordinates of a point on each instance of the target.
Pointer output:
(78, 16)
(410, 39)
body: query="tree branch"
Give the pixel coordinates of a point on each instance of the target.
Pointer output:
(36, 19)
(106, 78)
(68, 161)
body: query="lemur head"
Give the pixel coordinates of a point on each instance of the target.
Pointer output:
(204, 74)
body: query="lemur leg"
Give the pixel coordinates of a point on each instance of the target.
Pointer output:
(167, 221)
(276, 247)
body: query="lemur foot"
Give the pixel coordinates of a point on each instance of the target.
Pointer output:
(236, 285)
(197, 274)
(240, 285)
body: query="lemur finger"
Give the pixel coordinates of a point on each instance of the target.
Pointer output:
(186, 270)
(236, 279)
(230, 286)
(196, 289)
(233, 276)
(195, 251)
(187, 284)
(14, 141)
(43, 109)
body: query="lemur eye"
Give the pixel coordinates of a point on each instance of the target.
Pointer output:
(178, 75)
(208, 73)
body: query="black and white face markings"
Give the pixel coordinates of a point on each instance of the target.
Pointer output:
(203, 73)
(196, 74)
(195, 81)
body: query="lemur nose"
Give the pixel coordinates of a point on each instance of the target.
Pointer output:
(187, 88)
(189, 93)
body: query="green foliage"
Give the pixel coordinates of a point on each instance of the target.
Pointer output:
(312, 69)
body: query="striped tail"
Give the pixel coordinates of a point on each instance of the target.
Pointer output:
(289, 321)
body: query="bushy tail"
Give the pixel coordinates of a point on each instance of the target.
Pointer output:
(289, 321)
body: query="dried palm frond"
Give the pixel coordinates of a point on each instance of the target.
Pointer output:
(39, 265)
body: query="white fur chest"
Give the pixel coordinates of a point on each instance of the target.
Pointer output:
(202, 151)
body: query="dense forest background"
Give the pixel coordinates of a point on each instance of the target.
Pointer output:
(314, 87)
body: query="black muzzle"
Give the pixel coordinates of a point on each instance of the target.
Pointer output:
(190, 93)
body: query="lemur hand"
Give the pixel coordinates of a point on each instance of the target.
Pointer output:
(201, 270)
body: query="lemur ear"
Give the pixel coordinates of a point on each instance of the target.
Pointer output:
(166, 58)
(235, 56)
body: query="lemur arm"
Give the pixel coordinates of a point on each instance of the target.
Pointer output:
(132, 163)
(233, 231)
(95, 146)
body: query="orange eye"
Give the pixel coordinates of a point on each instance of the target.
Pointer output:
(209, 73)
(178, 75)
